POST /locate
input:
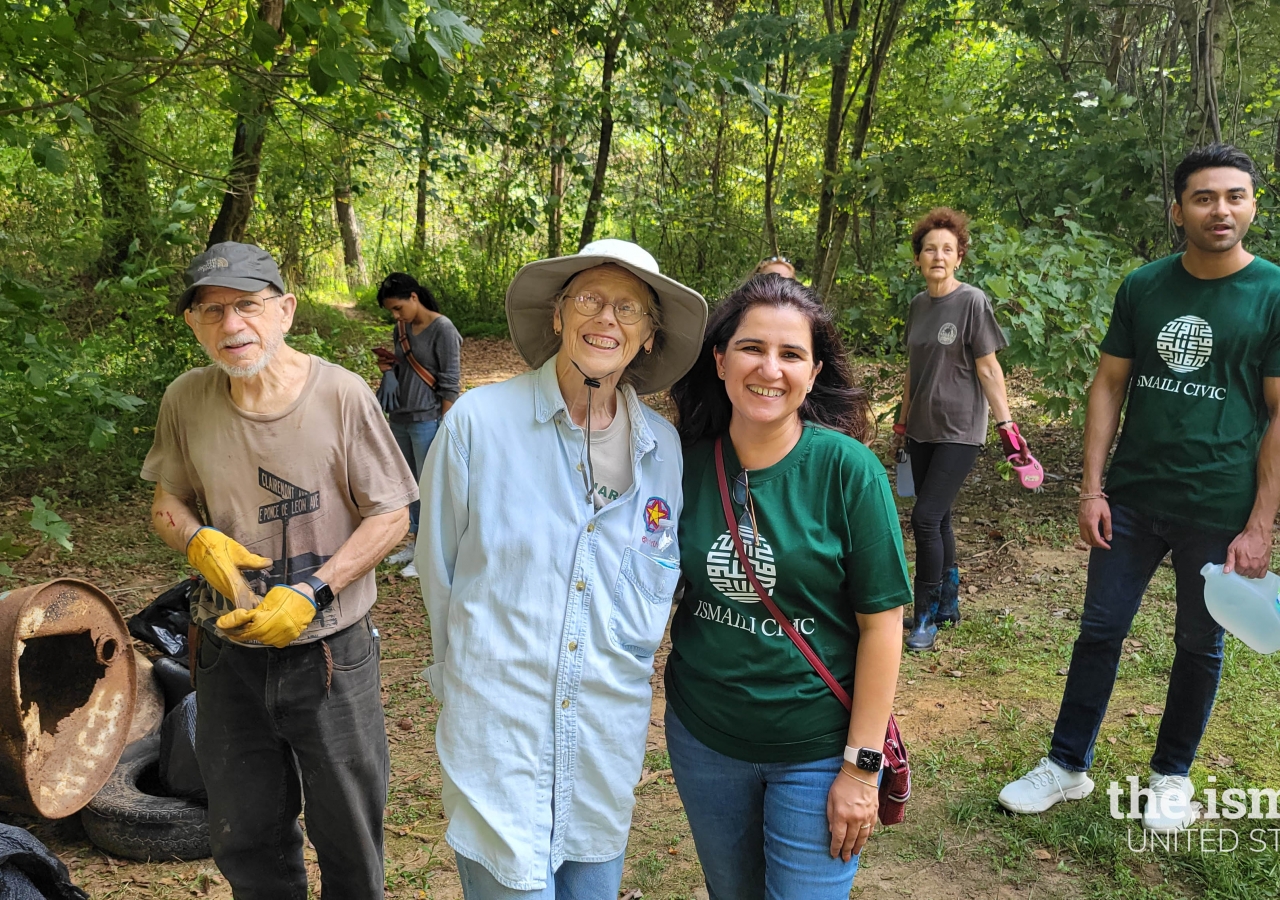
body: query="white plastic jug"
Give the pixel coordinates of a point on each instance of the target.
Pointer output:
(1249, 608)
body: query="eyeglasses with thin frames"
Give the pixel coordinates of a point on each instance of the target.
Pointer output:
(628, 312)
(246, 307)
(742, 496)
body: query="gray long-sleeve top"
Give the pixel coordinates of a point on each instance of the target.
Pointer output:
(439, 348)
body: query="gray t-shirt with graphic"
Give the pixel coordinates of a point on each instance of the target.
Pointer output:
(944, 337)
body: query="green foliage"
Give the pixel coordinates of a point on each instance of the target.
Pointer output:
(53, 394)
(48, 524)
(1053, 291)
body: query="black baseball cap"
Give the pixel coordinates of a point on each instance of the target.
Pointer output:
(241, 267)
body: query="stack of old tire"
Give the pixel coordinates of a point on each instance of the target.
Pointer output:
(85, 722)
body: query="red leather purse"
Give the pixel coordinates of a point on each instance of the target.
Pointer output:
(895, 783)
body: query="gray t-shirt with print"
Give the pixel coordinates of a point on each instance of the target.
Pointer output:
(944, 337)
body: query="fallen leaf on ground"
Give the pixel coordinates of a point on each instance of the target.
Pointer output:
(633, 894)
(1064, 670)
(1222, 761)
(1044, 855)
(1130, 713)
(955, 673)
(1152, 710)
(405, 724)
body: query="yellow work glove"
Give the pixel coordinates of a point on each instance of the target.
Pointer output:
(220, 560)
(277, 621)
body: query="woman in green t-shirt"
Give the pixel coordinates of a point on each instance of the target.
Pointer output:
(758, 742)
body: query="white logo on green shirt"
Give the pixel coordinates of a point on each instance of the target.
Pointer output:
(1185, 344)
(727, 576)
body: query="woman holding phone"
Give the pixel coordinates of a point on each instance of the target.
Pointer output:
(427, 348)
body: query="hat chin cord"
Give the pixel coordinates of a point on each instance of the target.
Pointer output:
(591, 384)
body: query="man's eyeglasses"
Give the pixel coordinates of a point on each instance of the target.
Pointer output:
(628, 312)
(246, 307)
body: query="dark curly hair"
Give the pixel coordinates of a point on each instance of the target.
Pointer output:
(703, 409)
(398, 286)
(946, 218)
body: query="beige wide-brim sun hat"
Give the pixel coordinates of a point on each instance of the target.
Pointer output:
(531, 299)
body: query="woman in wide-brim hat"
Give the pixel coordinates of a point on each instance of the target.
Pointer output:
(548, 563)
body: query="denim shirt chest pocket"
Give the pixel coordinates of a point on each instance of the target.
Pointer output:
(641, 603)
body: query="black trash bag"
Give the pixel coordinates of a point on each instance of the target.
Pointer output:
(174, 679)
(28, 871)
(164, 622)
(179, 771)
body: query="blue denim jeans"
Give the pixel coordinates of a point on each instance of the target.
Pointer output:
(1117, 580)
(572, 881)
(760, 828)
(414, 440)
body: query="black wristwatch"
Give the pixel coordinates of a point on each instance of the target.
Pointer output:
(324, 593)
(864, 758)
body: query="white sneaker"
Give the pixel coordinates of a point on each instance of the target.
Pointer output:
(400, 557)
(409, 571)
(1043, 787)
(1169, 808)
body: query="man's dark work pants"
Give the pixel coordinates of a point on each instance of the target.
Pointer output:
(276, 726)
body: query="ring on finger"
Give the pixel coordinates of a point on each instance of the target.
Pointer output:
(864, 826)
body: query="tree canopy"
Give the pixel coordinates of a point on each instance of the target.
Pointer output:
(460, 141)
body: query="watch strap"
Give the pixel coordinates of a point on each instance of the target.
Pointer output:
(319, 587)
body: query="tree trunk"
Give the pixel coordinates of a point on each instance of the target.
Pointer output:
(606, 135)
(246, 149)
(847, 25)
(880, 55)
(774, 142)
(420, 211)
(1206, 40)
(1119, 44)
(348, 227)
(555, 199)
(122, 182)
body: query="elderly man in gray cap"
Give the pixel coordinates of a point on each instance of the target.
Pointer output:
(278, 477)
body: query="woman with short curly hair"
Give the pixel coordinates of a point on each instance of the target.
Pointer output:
(952, 376)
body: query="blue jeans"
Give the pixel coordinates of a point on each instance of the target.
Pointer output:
(572, 881)
(1117, 580)
(414, 439)
(760, 828)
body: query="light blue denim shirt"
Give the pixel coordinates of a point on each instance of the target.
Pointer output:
(545, 615)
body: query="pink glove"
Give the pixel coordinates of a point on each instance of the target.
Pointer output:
(1013, 442)
(1025, 466)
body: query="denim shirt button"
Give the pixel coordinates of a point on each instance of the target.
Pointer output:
(564, 704)
(591, 527)
(581, 585)
(573, 645)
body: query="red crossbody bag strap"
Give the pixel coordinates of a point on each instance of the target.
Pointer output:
(801, 644)
(402, 335)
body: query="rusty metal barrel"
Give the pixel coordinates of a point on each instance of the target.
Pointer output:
(67, 686)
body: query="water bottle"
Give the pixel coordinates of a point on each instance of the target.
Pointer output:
(1249, 608)
(906, 482)
(663, 548)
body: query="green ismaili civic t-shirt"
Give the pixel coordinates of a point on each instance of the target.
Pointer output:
(1196, 413)
(829, 546)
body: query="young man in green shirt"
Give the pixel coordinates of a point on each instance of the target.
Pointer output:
(1194, 346)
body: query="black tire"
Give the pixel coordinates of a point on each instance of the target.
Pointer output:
(126, 822)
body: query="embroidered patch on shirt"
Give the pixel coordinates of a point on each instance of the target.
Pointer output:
(655, 510)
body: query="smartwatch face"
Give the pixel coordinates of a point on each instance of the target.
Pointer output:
(870, 760)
